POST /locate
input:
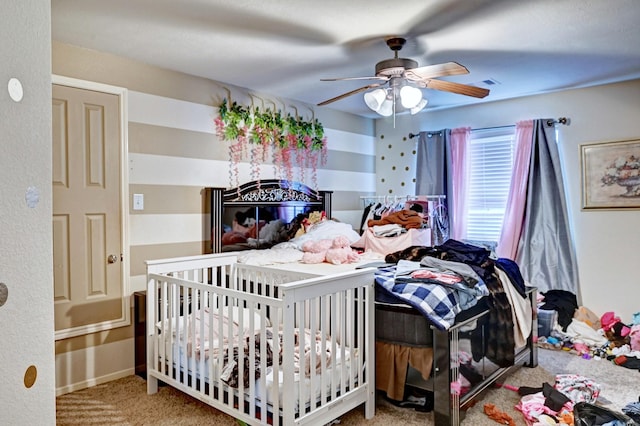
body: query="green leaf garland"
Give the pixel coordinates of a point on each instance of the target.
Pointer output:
(270, 130)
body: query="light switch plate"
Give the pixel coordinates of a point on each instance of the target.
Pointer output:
(138, 201)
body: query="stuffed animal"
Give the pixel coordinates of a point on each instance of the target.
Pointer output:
(614, 329)
(336, 251)
(341, 252)
(315, 251)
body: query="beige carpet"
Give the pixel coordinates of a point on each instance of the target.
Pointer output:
(125, 402)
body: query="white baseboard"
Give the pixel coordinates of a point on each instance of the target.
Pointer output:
(92, 366)
(94, 382)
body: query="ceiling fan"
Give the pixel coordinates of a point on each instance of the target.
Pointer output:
(405, 79)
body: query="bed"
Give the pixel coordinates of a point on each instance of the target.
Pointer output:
(450, 351)
(263, 345)
(390, 321)
(476, 337)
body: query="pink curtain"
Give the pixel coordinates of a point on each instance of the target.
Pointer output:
(516, 200)
(457, 202)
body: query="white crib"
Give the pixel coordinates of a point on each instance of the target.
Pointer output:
(207, 313)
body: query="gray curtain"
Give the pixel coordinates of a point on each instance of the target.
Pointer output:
(433, 174)
(546, 253)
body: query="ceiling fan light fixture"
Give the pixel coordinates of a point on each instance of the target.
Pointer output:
(404, 80)
(416, 109)
(375, 98)
(410, 96)
(386, 109)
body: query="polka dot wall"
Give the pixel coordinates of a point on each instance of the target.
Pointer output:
(395, 165)
(27, 357)
(15, 91)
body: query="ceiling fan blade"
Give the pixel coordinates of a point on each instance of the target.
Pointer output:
(356, 78)
(353, 92)
(438, 70)
(462, 89)
(440, 16)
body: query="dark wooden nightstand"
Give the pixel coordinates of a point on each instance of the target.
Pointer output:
(140, 332)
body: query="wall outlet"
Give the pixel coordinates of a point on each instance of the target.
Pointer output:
(138, 201)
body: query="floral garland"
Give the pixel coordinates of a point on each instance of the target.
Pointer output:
(253, 133)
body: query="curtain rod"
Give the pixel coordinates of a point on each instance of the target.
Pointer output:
(560, 120)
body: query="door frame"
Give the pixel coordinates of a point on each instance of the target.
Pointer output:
(122, 93)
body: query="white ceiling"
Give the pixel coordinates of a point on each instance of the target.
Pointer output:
(284, 47)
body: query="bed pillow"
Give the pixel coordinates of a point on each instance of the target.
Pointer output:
(324, 230)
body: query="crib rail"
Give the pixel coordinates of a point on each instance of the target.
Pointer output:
(244, 338)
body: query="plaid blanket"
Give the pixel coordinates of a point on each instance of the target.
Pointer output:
(439, 303)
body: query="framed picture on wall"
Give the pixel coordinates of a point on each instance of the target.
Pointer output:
(611, 175)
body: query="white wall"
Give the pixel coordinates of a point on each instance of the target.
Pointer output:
(26, 293)
(607, 242)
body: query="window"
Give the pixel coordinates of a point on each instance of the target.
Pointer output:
(490, 161)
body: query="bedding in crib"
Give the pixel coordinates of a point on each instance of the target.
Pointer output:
(214, 362)
(213, 349)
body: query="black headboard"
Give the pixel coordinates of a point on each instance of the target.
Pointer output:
(261, 194)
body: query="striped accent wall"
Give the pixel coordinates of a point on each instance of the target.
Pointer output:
(173, 153)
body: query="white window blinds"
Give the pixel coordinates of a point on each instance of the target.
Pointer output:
(490, 162)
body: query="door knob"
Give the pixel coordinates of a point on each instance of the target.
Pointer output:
(112, 258)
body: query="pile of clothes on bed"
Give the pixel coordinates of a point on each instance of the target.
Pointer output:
(443, 281)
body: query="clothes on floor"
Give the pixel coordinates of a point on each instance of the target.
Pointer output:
(587, 316)
(633, 410)
(554, 399)
(581, 332)
(577, 387)
(562, 301)
(497, 415)
(533, 406)
(627, 362)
